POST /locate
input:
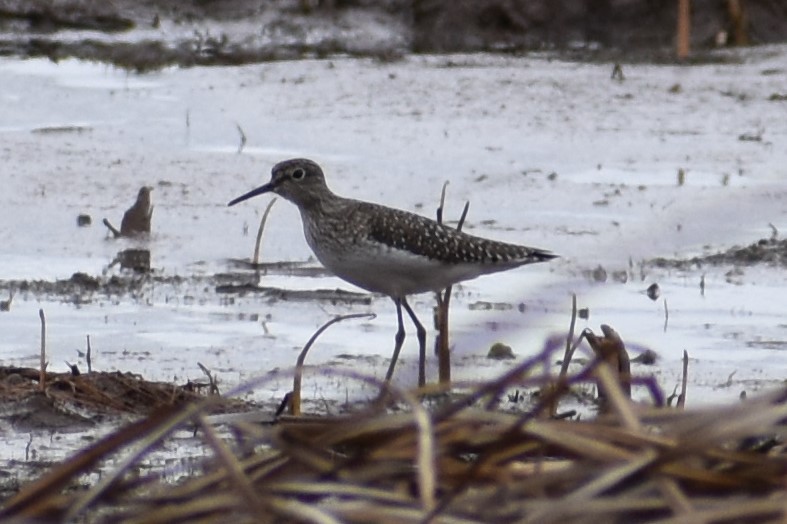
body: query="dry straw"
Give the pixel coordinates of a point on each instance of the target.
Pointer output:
(464, 461)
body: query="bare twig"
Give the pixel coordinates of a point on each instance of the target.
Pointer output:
(115, 231)
(42, 369)
(569, 353)
(88, 357)
(213, 386)
(570, 347)
(188, 126)
(442, 203)
(442, 348)
(295, 401)
(666, 315)
(27, 448)
(774, 232)
(685, 381)
(242, 138)
(443, 302)
(462, 218)
(256, 260)
(441, 319)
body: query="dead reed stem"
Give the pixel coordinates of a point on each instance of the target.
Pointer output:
(256, 259)
(88, 356)
(295, 398)
(685, 380)
(42, 365)
(570, 348)
(242, 143)
(443, 305)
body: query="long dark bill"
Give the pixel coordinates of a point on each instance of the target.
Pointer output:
(254, 192)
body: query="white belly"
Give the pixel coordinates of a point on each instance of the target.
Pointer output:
(395, 272)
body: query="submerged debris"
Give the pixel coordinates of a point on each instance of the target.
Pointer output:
(5, 305)
(765, 251)
(136, 220)
(137, 260)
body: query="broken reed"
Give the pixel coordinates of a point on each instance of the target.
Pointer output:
(443, 298)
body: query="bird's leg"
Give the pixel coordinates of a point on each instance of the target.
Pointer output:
(421, 333)
(399, 339)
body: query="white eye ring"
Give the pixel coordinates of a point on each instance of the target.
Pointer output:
(298, 174)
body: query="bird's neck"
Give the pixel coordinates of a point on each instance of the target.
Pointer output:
(321, 201)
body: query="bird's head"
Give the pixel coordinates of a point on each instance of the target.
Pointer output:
(299, 180)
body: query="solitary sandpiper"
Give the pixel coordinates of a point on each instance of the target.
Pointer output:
(386, 250)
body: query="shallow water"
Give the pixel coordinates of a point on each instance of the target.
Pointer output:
(82, 138)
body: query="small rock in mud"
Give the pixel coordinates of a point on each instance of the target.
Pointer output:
(621, 276)
(599, 274)
(647, 358)
(483, 305)
(85, 281)
(500, 351)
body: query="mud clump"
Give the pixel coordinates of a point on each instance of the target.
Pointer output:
(73, 402)
(77, 286)
(82, 288)
(83, 281)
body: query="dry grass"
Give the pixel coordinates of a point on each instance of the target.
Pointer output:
(465, 461)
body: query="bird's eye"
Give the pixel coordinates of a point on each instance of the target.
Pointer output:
(298, 174)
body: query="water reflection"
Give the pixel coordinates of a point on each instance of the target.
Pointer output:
(137, 260)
